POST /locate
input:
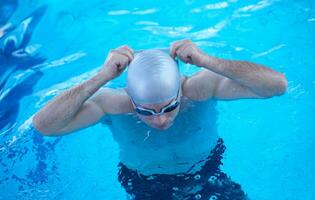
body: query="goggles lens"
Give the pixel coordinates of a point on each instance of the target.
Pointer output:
(148, 112)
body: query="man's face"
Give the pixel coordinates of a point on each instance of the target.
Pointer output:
(163, 121)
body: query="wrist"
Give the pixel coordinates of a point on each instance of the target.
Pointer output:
(95, 83)
(103, 76)
(210, 62)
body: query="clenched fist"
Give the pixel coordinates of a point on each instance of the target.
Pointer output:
(117, 61)
(188, 52)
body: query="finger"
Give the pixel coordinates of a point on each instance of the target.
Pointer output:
(124, 53)
(121, 63)
(127, 54)
(124, 62)
(127, 49)
(183, 57)
(174, 47)
(177, 45)
(186, 54)
(111, 53)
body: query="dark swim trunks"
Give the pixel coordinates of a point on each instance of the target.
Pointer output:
(208, 183)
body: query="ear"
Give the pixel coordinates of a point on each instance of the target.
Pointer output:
(182, 81)
(126, 90)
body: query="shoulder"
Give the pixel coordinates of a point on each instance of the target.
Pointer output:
(200, 86)
(113, 101)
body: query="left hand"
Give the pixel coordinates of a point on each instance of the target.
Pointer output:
(188, 52)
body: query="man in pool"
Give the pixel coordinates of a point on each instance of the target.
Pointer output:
(173, 151)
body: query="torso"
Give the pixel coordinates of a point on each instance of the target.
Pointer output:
(175, 150)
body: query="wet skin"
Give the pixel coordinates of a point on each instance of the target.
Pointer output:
(163, 121)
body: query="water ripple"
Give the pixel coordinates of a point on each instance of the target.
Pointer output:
(254, 7)
(169, 31)
(60, 87)
(214, 6)
(296, 90)
(275, 48)
(136, 12)
(149, 23)
(246, 10)
(209, 32)
(62, 61)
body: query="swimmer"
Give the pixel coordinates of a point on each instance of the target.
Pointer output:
(168, 149)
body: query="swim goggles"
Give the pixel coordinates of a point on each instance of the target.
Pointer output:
(149, 112)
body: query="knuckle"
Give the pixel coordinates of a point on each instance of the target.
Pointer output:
(121, 54)
(113, 52)
(180, 42)
(130, 49)
(188, 40)
(122, 47)
(126, 56)
(181, 55)
(125, 48)
(173, 45)
(125, 52)
(125, 60)
(176, 43)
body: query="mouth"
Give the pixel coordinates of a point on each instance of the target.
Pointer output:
(164, 126)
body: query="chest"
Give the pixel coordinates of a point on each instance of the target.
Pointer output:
(194, 123)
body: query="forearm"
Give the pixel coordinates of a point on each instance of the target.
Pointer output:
(62, 109)
(259, 79)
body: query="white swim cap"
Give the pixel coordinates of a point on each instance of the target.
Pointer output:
(152, 77)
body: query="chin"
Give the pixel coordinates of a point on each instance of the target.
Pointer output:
(162, 128)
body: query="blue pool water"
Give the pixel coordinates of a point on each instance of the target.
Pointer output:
(270, 143)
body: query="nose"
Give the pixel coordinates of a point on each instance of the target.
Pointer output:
(161, 119)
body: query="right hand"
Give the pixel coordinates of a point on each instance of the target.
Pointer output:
(117, 61)
(188, 52)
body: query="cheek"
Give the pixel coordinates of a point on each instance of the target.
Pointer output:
(171, 115)
(174, 113)
(145, 118)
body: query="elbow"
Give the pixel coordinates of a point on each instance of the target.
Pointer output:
(278, 88)
(40, 127)
(281, 85)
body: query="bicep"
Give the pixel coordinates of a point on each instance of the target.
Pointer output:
(105, 101)
(208, 85)
(200, 86)
(228, 89)
(89, 114)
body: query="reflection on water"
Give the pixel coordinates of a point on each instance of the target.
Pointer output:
(18, 59)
